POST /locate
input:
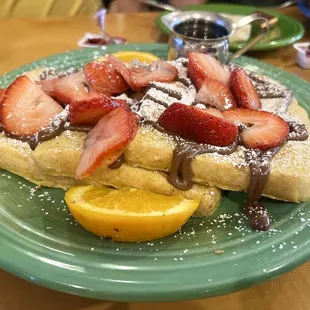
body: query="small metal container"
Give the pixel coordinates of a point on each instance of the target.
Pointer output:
(180, 45)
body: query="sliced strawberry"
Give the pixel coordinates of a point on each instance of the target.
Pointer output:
(2, 93)
(138, 77)
(216, 94)
(243, 90)
(266, 130)
(103, 78)
(121, 67)
(202, 65)
(158, 71)
(214, 112)
(91, 109)
(198, 125)
(66, 89)
(107, 141)
(26, 109)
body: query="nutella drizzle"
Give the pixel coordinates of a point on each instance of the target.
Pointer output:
(118, 163)
(298, 132)
(173, 93)
(78, 128)
(163, 103)
(259, 164)
(180, 175)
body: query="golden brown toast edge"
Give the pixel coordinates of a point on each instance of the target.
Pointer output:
(53, 164)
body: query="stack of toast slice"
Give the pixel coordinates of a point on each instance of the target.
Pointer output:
(148, 157)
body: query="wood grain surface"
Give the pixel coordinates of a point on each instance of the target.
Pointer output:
(26, 40)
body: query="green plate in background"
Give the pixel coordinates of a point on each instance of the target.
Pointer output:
(290, 29)
(41, 242)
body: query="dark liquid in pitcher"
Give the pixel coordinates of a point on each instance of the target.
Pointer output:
(200, 29)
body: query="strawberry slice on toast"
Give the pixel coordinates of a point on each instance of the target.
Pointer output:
(66, 89)
(198, 125)
(2, 93)
(107, 141)
(216, 94)
(243, 90)
(266, 130)
(103, 78)
(138, 77)
(91, 109)
(26, 109)
(200, 66)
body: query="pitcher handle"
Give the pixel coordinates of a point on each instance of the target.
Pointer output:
(264, 29)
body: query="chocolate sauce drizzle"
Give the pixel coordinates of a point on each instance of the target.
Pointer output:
(298, 132)
(259, 164)
(172, 93)
(180, 175)
(118, 163)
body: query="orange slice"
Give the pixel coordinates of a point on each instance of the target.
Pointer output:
(128, 214)
(128, 56)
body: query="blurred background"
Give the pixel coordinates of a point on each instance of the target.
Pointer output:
(39, 8)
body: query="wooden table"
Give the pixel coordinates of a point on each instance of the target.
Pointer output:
(23, 41)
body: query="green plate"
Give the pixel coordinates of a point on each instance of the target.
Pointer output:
(290, 29)
(41, 242)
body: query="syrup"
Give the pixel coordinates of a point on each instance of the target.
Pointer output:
(201, 29)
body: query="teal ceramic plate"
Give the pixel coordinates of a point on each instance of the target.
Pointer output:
(40, 241)
(288, 30)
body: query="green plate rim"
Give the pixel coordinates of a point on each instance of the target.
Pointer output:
(17, 255)
(297, 33)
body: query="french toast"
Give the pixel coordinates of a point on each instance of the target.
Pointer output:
(153, 150)
(56, 168)
(157, 158)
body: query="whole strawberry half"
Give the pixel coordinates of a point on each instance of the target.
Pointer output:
(216, 94)
(200, 66)
(198, 125)
(107, 141)
(266, 130)
(103, 78)
(243, 90)
(90, 109)
(26, 109)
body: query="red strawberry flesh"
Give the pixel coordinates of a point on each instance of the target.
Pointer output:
(91, 109)
(158, 71)
(198, 125)
(107, 141)
(138, 77)
(200, 66)
(103, 78)
(267, 130)
(216, 94)
(26, 109)
(66, 89)
(243, 90)
(2, 93)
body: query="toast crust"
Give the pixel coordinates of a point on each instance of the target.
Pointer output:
(54, 162)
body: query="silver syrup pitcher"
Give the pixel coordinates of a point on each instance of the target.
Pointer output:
(180, 45)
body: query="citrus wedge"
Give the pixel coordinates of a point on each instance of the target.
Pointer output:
(128, 214)
(128, 56)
